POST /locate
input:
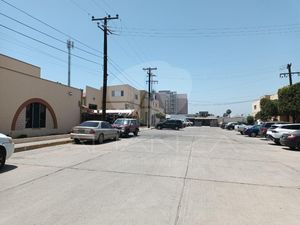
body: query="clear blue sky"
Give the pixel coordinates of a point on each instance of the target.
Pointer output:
(223, 54)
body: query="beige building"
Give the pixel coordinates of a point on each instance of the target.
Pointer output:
(122, 97)
(256, 104)
(32, 106)
(172, 102)
(182, 104)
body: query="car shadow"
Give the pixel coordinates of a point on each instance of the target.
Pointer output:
(289, 149)
(7, 168)
(94, 143)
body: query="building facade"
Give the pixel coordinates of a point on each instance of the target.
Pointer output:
(172, 102)
(124, 97)
(32, 106)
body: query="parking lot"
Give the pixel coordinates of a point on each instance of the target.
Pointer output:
(197, 175)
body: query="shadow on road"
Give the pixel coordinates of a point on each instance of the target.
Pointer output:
(7, 168)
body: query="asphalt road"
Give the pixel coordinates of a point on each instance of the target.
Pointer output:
(203, 176)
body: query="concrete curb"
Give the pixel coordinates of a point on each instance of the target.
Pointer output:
(41, 145)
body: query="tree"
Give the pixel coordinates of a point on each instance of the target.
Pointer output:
(250, 120)
(228, 112)
(269, 109)
(289, 101)
(261, 116)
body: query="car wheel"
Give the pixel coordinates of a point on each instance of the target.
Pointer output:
(176, 128)
(292, 148)
(241, 132)
(2, 157)
(159, 127)
(277, 142)
(253, 134)
(136, 132)
(77, 141)
(100, 139)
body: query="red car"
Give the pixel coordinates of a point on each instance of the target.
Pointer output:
(126, 126)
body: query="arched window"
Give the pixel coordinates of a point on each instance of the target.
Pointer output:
(35, 115)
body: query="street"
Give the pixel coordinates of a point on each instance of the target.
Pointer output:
(197, 175)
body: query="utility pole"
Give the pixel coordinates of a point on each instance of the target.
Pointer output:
(150, 82)
(289, 74)
(105, 30)
(70, 44)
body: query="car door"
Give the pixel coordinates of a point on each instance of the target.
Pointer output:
(105, 130)
(112, 132)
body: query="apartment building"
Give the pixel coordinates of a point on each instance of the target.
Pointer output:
(256, 104)
(33, 106)
(124, 97)
(172, 102)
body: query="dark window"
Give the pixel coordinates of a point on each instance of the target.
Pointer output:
(35, 116)
(89, 124)
(92, 106)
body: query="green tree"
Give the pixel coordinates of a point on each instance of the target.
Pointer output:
(269, 108)
(228, 112)
(289, 101)
(250, 120)
(261, 116)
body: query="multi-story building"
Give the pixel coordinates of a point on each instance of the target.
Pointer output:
(172, 102)
(256, 104)
(124, 97)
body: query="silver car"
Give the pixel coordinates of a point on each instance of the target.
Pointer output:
(93, 130)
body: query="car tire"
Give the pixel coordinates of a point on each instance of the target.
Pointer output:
(77, 141)
(136, 132)
(176, 128)
(277, 142)
(100, 139)
(2, 157)
(253, 134)
(292, 148)
(241, 132)
(159, 127)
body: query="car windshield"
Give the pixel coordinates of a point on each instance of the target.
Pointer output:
(89, 124)
(121, 121)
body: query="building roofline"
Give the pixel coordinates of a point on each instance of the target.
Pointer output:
(20, 61)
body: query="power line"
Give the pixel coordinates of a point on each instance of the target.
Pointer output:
(46, 34)
(48, 25)
(44, 43)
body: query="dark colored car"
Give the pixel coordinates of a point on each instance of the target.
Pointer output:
(223, 125)
(291, 140)
(126, 126)
(252, 131)
(230, 125)
(173, 124)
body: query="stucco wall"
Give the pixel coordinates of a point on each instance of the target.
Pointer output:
(93, 96)
(17, 65)
(16, 88)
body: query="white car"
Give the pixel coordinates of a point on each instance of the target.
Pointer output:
(276, 131)
(94, 130)
(7, 148)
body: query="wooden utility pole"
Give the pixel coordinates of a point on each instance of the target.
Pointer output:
(289, 73)
(105, 30)
(150, 82)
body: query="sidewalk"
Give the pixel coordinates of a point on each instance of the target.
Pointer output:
(25, 144)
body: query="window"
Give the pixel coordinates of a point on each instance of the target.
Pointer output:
(136, 96)
(105, 125)
(117, 93)
(254, 107)
(89, 124)
(92, 106)
(35, 116)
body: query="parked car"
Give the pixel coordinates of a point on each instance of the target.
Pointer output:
(6, 149)
(222, 125)
(126, 126)
(252, 131)
(242, 129)
(94, 130)
(276, 131)
(173, 124)
(265, 126)
(291, 140)
(230, 125)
